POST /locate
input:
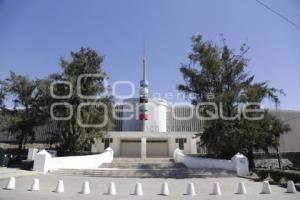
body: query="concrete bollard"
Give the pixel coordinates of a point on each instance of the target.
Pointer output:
(291, 187)
(60, 187)
(241, 188)
(11, 185)
(138, 189)
(190, 189)
(266, 188)
(85, 189)
(165, 189)
(111, 189)
(216, 189)
(35, 185)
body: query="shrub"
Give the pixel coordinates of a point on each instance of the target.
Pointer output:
(293, 176)
(262, 174)
(276, 175)
(27, 164)
(283, 181)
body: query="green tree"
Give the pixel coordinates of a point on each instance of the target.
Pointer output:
(74, 137)
(27, 112)
(220, 77)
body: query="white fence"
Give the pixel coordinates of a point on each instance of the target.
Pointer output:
(43, 161)
(238, 163)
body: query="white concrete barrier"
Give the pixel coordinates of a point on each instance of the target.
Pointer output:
(35, 185)
(60, 187)
(291, 187)
(216, 189)
(111, 189)
(190, 189)
(138, 189)
(241, 188)
(85, 189)
(238, 163)
(11, 185)
(164, 189)
(43, 161)
(266, 188)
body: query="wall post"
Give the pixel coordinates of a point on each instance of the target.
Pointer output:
(240, 164)
(42, 162)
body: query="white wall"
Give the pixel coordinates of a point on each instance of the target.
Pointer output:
(116, 145)
(157, 115)
(238, 163)
(98, 146)
(43, 161)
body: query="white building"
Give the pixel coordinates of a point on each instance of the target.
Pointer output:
(151, 127)
(161, 134)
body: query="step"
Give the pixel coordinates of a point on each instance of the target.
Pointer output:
(145, 168)
(138, 163)
(152, 173)
(124, 159)
(143, 165)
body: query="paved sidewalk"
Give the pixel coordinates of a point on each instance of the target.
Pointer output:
(8, 172)
(125, 186)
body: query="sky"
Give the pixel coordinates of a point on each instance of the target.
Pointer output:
(35, 34)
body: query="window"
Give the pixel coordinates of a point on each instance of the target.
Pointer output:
(180, 142)
(107, 142)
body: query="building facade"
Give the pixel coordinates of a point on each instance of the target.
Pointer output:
(151, 128)
(166, 129)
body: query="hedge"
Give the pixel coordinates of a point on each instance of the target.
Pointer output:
(262, 174)
(276, 175)
(26, 164)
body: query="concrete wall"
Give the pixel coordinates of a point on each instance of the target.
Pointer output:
(238, 163)
(196, 162)
(43, 161)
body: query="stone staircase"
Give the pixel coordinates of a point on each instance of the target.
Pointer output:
(137, 163)
(144, 168)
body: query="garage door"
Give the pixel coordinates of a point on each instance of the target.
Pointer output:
(131, 148)
(157, 148)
